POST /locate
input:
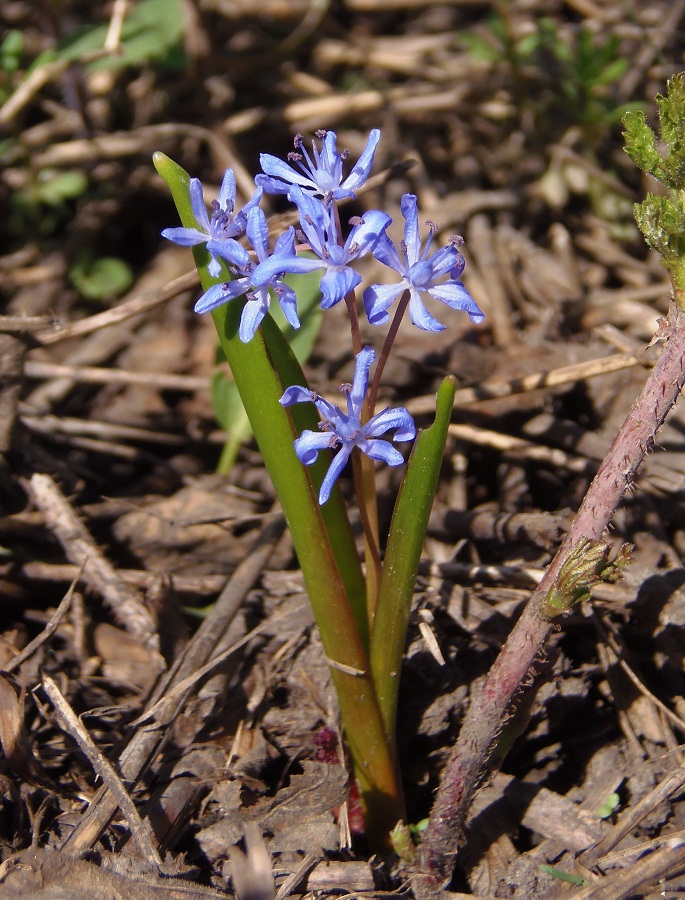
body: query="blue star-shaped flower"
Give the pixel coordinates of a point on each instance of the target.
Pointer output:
(258, 295)
(322, 176)
(345, 430)
(319, 226)
(221, 230)
(420, 274)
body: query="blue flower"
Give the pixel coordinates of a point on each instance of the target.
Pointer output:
(258, 295)
(420, 274)
(221, 230)
(322, 176)
(345, 430)
(318, 223)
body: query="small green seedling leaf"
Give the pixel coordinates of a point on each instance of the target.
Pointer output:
(54, 188)
(98, 279)
(561, 876)
(609, 807)
(11, 48)
(402, 842)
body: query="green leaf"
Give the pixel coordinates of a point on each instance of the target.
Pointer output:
(561, 876)
(612, 72)
(153, 31)
(101, 278)
(11, 49)
(54, 188)
(229, 412)
(609, 807)
(403, 554)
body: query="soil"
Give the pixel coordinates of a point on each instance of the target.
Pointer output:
(167, 720)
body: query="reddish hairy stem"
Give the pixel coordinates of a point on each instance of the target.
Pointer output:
(385, 352)
(489, 710)
(370, 528)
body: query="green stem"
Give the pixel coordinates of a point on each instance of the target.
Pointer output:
(365, 489)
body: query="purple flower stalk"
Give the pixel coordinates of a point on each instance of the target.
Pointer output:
(221, 230)
(345, 430)
(321, 176)
(318, 223)
(420, 274)
(258, 295)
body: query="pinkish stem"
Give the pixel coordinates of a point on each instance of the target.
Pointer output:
(514, 666)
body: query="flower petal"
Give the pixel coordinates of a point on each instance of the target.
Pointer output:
(275, 266)
(309, 443)
(378, 298)
(420, 315)
(315, 220)
(254, 311)
(382, 450)
(398, 419)
(258, 232)
(197, 204)
(409, 207)
(455, 295)
(362, 167)
(297, 394)
(285, 245)
(185, 237)
(336, 284)
(226, 198)
(241, 217)
(367, 234)
(230, 250)
(287, 299)
(279, 176)
(447, 259)
(334, 470)
(360, 384)
(218, 294)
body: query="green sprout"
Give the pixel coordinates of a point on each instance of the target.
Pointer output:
(661, 218)
(588, 565)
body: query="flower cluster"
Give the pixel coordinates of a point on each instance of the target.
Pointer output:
(345, 430)
(314, 183)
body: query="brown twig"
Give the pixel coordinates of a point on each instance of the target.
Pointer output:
(525, 645)
(126, 310)
(140, 830)
(124, 601)
(49, 629)
(549, 379)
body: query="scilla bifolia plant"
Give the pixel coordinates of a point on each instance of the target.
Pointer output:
(362, 612)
